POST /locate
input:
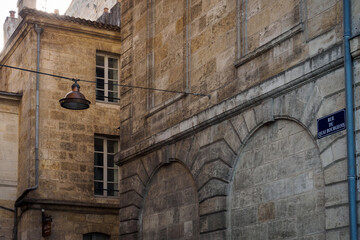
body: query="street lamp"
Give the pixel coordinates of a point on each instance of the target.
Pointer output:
(75, 100)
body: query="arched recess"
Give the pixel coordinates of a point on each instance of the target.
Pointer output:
(277, 189)
(170, 209)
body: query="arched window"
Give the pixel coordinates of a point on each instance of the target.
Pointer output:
(96, 236)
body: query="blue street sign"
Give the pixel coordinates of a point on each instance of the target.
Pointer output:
(331, 124)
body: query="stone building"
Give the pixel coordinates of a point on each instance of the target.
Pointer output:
(245, 161)
(81, 203)
(240, 160)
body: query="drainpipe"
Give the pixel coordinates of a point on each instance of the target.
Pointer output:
(350, 121)
(38, 30)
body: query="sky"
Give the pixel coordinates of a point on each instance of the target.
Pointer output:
(44, 5)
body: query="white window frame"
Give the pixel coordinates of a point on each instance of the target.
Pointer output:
(105, 167)
(106, 77)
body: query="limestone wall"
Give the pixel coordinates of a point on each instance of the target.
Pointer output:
(9, 152)
(284, 182)
(66, 138)
(89, 9)
(272, 70)
(218, 48)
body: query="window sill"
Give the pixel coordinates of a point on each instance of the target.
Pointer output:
(108, 104)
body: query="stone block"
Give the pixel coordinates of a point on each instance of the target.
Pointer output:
(336, 194)
(130, 198)
(319, 44)
(129, 226)
(213, 222)
(213, 188)
(311, 108)
(132, 183)
(327, 157)
(250, 119)
(282, 229)
(259, 231)
(336, 172)
(218, 235)
(211, 205)
(244, 217)
(311, 223)
(339, 149)
(266, 212)
(322, 22)
(336, 217)
(243, 179)
(225, 24)
(240, 126)
(176, 231)
(246, 197)
(188, 212)
(214, 169)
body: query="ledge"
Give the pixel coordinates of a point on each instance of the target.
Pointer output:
(355, 46)
(266, 47)
(275, 86)
(73, 206)
(165, 104)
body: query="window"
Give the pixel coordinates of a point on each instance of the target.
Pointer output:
(107, 77)
(95, 236)
(105, 170)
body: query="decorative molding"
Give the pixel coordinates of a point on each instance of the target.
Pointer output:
(150, 55)
(165, 104)
(276, 41)
(80, 207)
(355, 46)
(284, 82)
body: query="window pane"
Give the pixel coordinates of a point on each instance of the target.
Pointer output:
(100, 60)
(99, 145)
(112, 146)
(100, 83)
(113, 86)
(95, 236)
(98, 173)
(116, 175)
(99, 188)
(110, 176)
(113, 97)
(87, 237)
(100, 95)
(98, 159)
(113, 63)
(112, 189)
(110, 160)
(100, 72)
(113, 74)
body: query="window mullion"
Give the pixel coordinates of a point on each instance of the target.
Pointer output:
(105, 166)
(106, 86)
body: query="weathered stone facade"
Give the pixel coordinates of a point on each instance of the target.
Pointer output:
(243, 162)
(9, 140)
(271, 68)
(68, 47)
(89, 9)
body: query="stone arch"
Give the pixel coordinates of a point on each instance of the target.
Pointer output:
(170, 208)
(277, 187)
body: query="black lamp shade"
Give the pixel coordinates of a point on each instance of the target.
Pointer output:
(75, 100)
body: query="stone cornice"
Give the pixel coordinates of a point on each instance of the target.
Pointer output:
(10, 96)
(355, 46)
(73, 206)
(282, 83)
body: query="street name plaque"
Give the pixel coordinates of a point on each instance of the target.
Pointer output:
(330, 124)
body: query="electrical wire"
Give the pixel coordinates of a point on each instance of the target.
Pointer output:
(7, 209)
(115, 84)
